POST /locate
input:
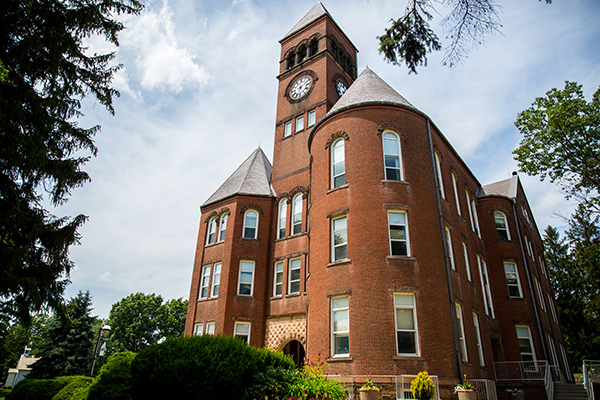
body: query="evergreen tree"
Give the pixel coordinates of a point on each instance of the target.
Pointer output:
(68, 347)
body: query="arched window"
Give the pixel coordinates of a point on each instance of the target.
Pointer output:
(291, 58)
(501, 226)
(338, 165)
(297, 214)
(212, 228)
(250, 224)
(392, 157)
(314, 47)
(282, 219)
(222, 227)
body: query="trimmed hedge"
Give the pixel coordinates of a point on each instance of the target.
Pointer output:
(201, 368)
(76, 389)
(114, 379)
(39, 389)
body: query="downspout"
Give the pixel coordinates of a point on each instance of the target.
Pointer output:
(529, 283)
(446, 262)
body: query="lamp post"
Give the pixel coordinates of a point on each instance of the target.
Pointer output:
(101, 345)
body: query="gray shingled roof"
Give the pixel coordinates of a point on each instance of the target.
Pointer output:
(253, 178)
(368, 89)
(506, 188)
(314, 14)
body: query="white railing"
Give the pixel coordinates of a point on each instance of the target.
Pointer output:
(403, 382)
(487, 389)
(591, 374)
(526, 371)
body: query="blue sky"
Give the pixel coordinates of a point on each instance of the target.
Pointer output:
(198, 95)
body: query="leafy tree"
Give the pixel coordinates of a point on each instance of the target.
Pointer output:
(68, 348)
(140, 320)
(409, 39)
(561, 141)
(45, 72)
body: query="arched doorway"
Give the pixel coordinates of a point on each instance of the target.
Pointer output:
(296, 350)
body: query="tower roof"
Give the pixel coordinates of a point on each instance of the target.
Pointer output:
(369, 89)
(314, 14)
(252, 178)
(506, 188)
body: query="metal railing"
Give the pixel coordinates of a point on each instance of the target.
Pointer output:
(591, 374)
(526, 371)
(403, 382)
(487, 389)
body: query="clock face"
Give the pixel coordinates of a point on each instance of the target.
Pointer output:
(340, 86)
(300, 87)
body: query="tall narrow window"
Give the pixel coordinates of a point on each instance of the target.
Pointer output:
(282, 219)
(565, 359)
(246, 281)
(340, 327)
(212, 228)
(222, 227)
(552, 308)
(478, 339)
(450, 251)
(391, 157)
(297, 214)
(512, 279)
(405, 313)
(216, 280)
(485, 287)
(398, 230)
(338, 165)
(552, 349)
(339, 239)
(525, 343)
(250, 224)
(501, 226)
(242, 331)
(204, 280)
(278, 279)
(287, 129)
(461, 332)
(467, 265)
(198, 329)
(300, 123)
(456, 199)
(475, 217)
(438, 174)
(294, 279)
(312, 117)
(210, 328)
(538, 289)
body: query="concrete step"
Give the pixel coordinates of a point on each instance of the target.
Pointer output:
(567, 391)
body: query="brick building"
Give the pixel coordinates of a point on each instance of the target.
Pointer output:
(369, 239)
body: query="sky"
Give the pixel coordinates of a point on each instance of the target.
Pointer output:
(198, 96)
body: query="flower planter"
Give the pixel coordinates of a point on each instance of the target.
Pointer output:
(369, 394)
(467, 395)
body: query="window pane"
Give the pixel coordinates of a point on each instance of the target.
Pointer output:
(404, 299)
(339, 302)
(406, 343)
(404, 319)
(338, 168)
(399, 249)
(341, 252)
(396, 218)
(339, 181)
(525, 345)
(392, 161)
(392, 174)
(342, 344)
(390, 144)
(398, 232)
(340, 321)
(242, 329)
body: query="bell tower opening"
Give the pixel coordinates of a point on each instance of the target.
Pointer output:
(296, 350)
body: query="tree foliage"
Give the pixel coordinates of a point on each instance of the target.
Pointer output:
(410, 38)
(139, 320)
(45, 72)
(68, 348)
(561, 141)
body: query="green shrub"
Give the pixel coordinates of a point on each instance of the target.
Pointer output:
(312, 386)
(76, 389)
(422, 386)
(200, 367)
(114, 380)
(38, 389)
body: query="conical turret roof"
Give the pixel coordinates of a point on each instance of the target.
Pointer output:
(314, 14)
(252, 178)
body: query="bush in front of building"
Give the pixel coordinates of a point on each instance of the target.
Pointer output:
(114, 380)
(39, 389)
(201, 367)
(422, 386)
(76, 389)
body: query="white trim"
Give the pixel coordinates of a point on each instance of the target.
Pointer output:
(292, 268)
(414, 330)
(242, 334)
(250, 227)
(247, 264)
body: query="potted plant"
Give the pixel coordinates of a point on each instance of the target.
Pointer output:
(516, 393)
(466, 390)
(369, 391)
(422, 387)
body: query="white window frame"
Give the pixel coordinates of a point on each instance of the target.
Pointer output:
(565, 359)
(461, 333)
(438, 173)
(552, 308)
(449, 248)
(299, 123)
(390, 135)
(527, 337)
(216, 280)
(211, 231)
(335, 161)
(237, 332)
(204, 282)
(485, 287)
(297, 214)
(210, 328)
(478, 339)
(246, 266)
(540, 294)
(294, 268)
(287, 129)
(415, 330)
(282, 218)
(474, 217)
(499, 215)
(456, 198)
(406, 235)
(334, 245)
(467, 263)
(343, 310)
(198, 329)
(278, 279)
(514, 273)
(246, 226)
(222, 227)
(552, 349)
(312, 117)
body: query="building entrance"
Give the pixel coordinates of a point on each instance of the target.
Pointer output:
(296, 349)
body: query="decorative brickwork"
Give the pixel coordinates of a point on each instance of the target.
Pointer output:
(281, 330)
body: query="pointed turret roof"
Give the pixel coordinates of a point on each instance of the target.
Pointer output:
(314, 14)
(506, 188)
(252, 178)
(369, 89)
